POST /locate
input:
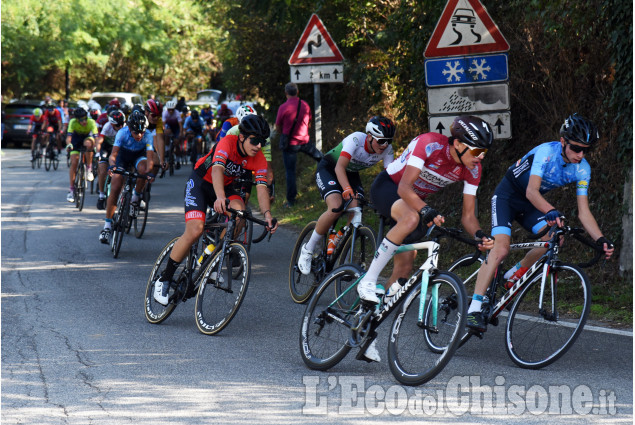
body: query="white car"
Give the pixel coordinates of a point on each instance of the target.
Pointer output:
(103, 98)
(209, 96)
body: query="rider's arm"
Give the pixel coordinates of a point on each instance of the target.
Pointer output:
(589, 223)
(405, 191)
(535, 197)
(265, 205)
(468, 217)
(112, 159)
(218, 181)
(160, 148)
(340, 171)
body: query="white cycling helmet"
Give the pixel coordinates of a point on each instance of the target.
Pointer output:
(243, 111)
(170, 104)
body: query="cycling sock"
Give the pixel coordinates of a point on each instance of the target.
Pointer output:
(102, 195)
(315, 239)
(170, 268)
(475, 305)
(383, 255)
(108, 224)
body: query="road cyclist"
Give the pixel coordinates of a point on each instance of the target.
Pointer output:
(519, 196)
(133, 148)
(81, 133)
(172, 127)
(210, 184)
(338, 179)
(193, 127)
(104, 143)
(430, 162)
(37, 125)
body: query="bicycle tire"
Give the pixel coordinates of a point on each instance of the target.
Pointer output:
(119, 225)
(56, 162)
(533, 339)
(140, 222)
(365, 247)
(156, 313)
(39, 156)
(246, 234)
(324, 335)
(81, 186)
(218, 302)
(47, 160)
(68, 159)
(302, 286)
(410, 359)
(128, 217)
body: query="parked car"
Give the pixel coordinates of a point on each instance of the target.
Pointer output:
(15, 117)
(103, 98)
(210, 96)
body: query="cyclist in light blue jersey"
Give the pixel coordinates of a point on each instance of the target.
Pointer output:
(519, 197)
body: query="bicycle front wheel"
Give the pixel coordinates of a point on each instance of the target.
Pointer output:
(141, 218)
(47, 160)
(302, 286)
(120, 221)
(155, 312)
(326, 324)
(536, 337)
(222, 289)
(411, 359)
(81, 186)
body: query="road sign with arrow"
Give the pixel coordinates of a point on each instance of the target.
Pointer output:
(499, 121)
(317, 73)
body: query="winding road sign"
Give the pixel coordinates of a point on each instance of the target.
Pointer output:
(315, 46)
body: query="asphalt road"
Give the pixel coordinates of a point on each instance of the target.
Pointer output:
(76, 348)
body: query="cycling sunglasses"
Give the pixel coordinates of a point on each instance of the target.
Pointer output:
(258, 141)
(476, 152)
(578, 149)
(382, 142)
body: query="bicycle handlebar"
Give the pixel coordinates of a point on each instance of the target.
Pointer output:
(345, 203)
(248, 216)
(438, 232)
(134, 174)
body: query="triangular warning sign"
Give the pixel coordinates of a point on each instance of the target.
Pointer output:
(315, 46)
(465, 28)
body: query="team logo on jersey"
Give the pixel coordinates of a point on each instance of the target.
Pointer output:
(434, 166)
(474, 171)
(244, 162)
(433, 147)
(189, 199)
(404, 156)
(332, 183)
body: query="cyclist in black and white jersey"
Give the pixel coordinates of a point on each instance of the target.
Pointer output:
(337, 175)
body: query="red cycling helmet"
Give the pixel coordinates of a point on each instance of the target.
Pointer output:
(154, 107)
(115, 103)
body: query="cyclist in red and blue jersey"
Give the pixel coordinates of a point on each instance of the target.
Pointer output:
(133, 148)
(210, 184)
(519, 196)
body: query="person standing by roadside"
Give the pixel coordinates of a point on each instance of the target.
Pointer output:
(293, 123)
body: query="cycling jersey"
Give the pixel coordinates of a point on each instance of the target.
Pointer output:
(109, 133)
(207, 115)
(37, 122)
(55, 118)
(195, 126)
(266, 150)
(156, 128)
(171, 119)
(354, 148)
(227, 153)
(546, 162)
(124, 140)
(90, 128)
(430, 152)
(102, 120)
(227, 125)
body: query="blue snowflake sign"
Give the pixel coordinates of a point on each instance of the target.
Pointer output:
(466, 70)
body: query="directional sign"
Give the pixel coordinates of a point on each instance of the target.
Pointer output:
(466, 70)
(317, 74)
(465, 28)
(499, 121)
(459, 99)
(315, 46)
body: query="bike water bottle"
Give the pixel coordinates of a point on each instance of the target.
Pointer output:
(208, 250)
(332, 243)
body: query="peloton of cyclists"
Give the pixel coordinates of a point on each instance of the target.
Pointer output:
(81, 132)
(132, 149)
(338, 177)
(210, 184)
(193, 128)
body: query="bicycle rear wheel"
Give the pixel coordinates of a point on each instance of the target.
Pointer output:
(411, 359)
(535, 337)
(362, 255)
(141, 218)
(81, 186)
(222, 290)
(302, 286)
(326, 326)
(48, 159)
(156, 313)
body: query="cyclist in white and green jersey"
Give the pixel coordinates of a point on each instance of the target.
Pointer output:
(338, 178)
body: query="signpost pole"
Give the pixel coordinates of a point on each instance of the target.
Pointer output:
(318, 116)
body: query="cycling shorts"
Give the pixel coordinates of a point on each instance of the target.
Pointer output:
(327, 183)
(174, 128)
(199, 194)
(508, 205)
(128, 159)
(77, 140)
(384, 194)
(105, 151)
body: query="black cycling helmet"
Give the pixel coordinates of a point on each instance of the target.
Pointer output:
(194, 114)
(137, 122)
(380, 127)
(116, 117)
(80, 113)
(94, 113)
(137, 107)
(185, 109)
(472, 131)
(126, 108)
(579, 129)
(256, 125)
